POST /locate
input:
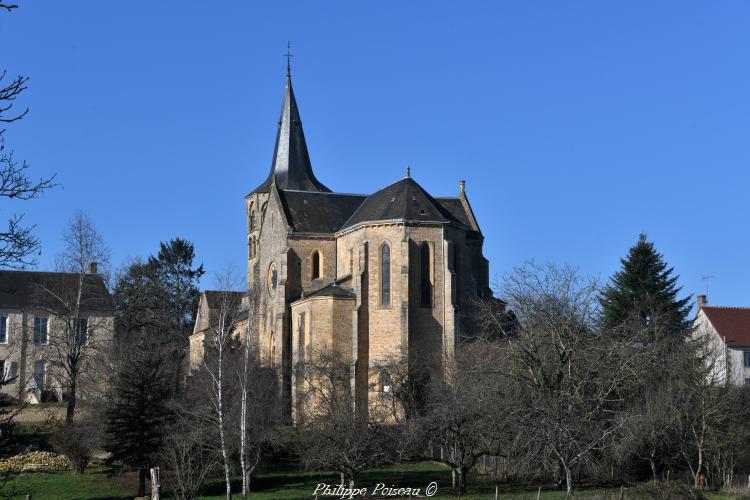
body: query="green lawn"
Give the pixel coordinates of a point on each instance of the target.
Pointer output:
(101, 484)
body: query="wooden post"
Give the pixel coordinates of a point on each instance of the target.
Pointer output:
(155, 483)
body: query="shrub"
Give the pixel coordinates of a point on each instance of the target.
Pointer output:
(77, 441)
(665, 490)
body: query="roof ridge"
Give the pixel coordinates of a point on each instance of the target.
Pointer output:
(322, 192)
(725, 307)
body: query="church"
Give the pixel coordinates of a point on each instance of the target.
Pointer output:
(372, 278)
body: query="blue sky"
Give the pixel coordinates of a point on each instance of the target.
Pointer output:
(576, 124)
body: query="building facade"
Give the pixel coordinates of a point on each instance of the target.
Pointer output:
(371, 278)
(727, 331)
(44, 318)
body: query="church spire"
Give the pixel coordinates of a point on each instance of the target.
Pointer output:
(291, 167)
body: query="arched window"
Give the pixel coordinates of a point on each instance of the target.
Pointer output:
(250, 248)
(272, 350)
(385, 275)
(425, 275)
(252, 220)
(316, 265)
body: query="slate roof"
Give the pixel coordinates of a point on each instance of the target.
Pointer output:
(456, 209)
(337, 290)
(36, 288)
(291, 167)
(319, 212)
(402, 200)
(731, 323)
(215, 297)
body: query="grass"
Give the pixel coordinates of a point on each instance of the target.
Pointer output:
(101, 484)
(94, 484)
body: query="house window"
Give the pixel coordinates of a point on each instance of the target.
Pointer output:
(252, 220)
(80, 330)
(746, 358)
(39, 373)
(41, 332)
(3, 329)
(425, 275)
(316, 265)
(385, 275)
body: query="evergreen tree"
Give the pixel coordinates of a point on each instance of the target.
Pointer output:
(174, 267)
(645, 289)
(137, 415)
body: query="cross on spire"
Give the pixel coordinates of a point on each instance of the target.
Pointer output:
(288, 56)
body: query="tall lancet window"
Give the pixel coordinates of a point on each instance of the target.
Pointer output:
(425, 275)
(385, 275)
(316, 265)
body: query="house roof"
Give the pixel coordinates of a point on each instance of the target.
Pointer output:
(38, 288)
(291, 167)
(732, 323)
(318, 212)
(402, 200)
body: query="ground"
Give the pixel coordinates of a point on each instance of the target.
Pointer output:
(101, 484)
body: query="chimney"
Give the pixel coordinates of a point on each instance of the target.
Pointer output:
(93, 268)
(701, 300)
(461, 187)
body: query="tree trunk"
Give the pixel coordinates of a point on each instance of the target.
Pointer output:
(155, 483)
(141, 482)
(462, 479)
(71, 401)
(652, 463)
(568, 481)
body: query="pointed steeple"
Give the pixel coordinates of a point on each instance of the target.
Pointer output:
(291, 168)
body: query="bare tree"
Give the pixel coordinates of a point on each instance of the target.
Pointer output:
(704, 399)
(80, 307)
(573, 377)
(461, 409)
(188, 454)
(334, 433)
(17, 244)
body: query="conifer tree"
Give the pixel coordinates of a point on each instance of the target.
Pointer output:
(137, 415)
(645, 288)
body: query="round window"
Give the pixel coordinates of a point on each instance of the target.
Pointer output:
(273, 278)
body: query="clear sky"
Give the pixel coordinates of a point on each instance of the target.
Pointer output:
(576, 124)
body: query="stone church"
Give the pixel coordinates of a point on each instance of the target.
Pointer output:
(371, 277)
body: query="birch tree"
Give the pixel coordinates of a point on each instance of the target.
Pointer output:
(260, 407)
(219, 340)
(80, 306)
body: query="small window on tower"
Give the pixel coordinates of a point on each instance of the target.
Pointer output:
(316, 265)
(385, 275)
(425, 277)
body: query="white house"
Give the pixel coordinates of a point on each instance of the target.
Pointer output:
(728, 329)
